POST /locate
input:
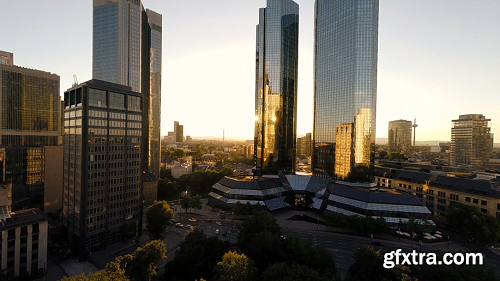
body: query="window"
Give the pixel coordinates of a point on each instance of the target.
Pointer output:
(97, 98)
(484, 202)
(467, 199)
(441, 194)
(134, 103)
(475, 201)
(116, 100)
(454, 197)
(484, 211)
(498, 206)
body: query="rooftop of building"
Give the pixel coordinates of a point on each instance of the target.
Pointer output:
(250, 182)
(23, 218)
(147, 177)
(375, 195)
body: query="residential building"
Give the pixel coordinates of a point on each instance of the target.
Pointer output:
(150, 188)
(276, 86)
(102, 165)
(399, 135)
(23, 239)
(471, 141)
(345, 79)
(127, 50)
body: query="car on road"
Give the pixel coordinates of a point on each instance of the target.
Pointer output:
(192, 220)
(219, 223)
(208, 220)
(217, 231)
(178, 224)
(188, 226)
(172, 221)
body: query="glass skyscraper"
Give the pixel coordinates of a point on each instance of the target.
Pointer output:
(399, 136)
(127, 50)
(276, 87)
(345, 84)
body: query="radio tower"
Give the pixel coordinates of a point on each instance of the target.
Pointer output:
(414, 129)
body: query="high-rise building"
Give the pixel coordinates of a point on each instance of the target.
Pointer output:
(276, 86)
(343, 149)
(102, 165)
(471, 141)
(399, 135)
(345, 80)
(127, 50)
(304, 146)
(30, 120)
(178, 132)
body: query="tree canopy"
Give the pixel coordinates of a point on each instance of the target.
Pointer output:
(158, 215)
(236, 267)
(470, 222)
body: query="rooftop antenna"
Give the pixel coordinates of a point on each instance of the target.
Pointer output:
(75, 80)
(414, 129)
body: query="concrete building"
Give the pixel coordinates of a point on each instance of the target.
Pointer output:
(304, 147)
(23, 239)
(399, 135)
(471, 141)
(150, 188)
(6, 58)
(102, 165)
(345, 79)
(275, 131)
(53, 179)
(178, 132)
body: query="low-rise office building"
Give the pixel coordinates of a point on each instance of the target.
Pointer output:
(438, 192)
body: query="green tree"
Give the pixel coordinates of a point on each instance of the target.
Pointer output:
(186, 203)
(158, 215)
(382, 154)
(166, 174)
(197, 257)
(470, 222)
(179, 153)
(195, 202)
(236, 267)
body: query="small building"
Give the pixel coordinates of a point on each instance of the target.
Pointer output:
(150, 188)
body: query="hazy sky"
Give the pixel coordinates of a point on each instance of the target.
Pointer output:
(436, 60)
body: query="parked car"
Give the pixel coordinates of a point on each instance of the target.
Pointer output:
(217, 231)
(178, 224)
(187, 226)
(208, 220)
(192, 220)
(219, 223)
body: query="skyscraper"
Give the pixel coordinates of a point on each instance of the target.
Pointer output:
(30, 120)
(276, 86)
(471, 141)
(178, 132)
(399, 135)
(102, 174)
(345, 81)
(127, 50)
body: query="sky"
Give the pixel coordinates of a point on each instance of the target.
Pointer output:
(436, 60)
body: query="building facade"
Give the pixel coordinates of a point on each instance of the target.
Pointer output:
(345, 79)
(178, 132)
(304, 146)
(102, 165)
(344, 147)
(399, 135)
(276, 86)
(150, 188)
(471, 141)
(127, 50)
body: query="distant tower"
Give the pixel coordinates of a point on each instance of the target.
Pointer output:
(414, 129)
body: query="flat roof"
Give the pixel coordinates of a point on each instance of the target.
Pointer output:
(23, 218)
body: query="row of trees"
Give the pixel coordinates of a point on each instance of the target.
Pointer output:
(365, 225)
(191, 202)
(368, 265)
(138, 266)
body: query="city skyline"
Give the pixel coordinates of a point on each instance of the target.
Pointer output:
(426, 61)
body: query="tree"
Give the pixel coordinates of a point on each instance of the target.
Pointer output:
(138, 266)
(197, 257)
(185, 203)
(382, 154)
(470, 222)
(236, 267)
(158, 216)
(166, 174)
(195, 202)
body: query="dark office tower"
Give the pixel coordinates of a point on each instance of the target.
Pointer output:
(102, 176)
(276, 87)
(471, 141)
(127, 51)
(345, 81)
(151, 89)
(399, 135)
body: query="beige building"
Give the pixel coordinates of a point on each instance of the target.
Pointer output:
(439, 192)
(150, 188)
